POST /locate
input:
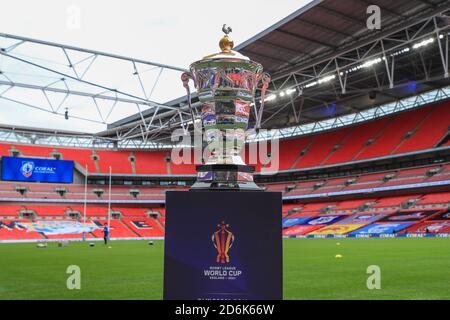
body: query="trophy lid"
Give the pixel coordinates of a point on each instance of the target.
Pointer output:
(226, 44)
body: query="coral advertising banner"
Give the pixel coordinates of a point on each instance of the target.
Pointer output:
(223, 246)
(37, 170)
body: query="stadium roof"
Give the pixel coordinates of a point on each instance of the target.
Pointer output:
(338, 66)
(324, 62)
(327, 39)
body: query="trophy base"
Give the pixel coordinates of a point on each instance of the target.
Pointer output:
(225, 177)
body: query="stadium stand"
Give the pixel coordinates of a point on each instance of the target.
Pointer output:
(134, 223)
(10, 210)
(430, 227)
(144, 227)
(440, 198)
(131, 212)
(321, 146)
(386, 168)
(81, 156)
(117, 230)
(9, 230)
(390, 136)
(429, 132)
(291, 150)
(138, 209)
(153, 162)
(352, 204)
(357, 138)
(393, 202)
(118, 160)
(47, 211)
(414, 130)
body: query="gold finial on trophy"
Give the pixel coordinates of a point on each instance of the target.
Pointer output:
(226, 44)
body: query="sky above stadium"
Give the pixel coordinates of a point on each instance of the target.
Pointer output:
(169, 32)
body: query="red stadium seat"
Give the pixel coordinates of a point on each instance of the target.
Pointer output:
(144, 227)
(321, 147)
(10, 231)
(393, 201)
(117, 230)
(356, 140)
(394, 133)
(429, 132)
(10, 210)
(435, 198)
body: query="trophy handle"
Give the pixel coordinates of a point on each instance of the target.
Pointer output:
(185, 77)
(265, 78)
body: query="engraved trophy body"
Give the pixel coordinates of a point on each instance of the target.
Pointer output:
(226, 84)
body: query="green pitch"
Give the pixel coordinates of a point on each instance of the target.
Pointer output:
(410, 269)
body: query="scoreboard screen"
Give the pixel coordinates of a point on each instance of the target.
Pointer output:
(37, 170)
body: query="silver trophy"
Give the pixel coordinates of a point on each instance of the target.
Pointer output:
(226, 83)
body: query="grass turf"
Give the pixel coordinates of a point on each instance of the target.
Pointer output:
(410, 269)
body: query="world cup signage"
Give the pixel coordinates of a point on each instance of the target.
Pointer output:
(226, 84)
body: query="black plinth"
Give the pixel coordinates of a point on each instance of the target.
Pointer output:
(225, 177)
(223, 245)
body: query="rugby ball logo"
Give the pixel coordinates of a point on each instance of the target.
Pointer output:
(27, 168)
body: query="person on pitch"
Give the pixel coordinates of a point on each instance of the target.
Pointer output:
(106, 233)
